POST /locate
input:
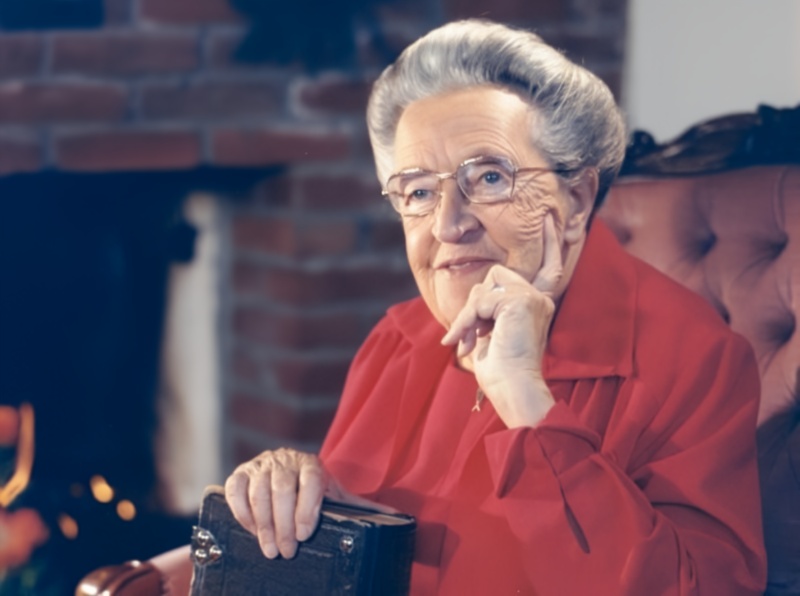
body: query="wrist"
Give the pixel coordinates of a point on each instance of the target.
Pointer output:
(523, 401)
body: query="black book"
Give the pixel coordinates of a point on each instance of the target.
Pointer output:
(354, 551)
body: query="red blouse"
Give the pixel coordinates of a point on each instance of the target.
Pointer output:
(641, 480)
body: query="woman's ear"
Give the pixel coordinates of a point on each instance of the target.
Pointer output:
(581, 194)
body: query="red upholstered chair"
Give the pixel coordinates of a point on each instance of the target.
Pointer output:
(719, 210)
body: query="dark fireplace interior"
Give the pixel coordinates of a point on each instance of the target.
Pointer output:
(84, 272)
(83, 298)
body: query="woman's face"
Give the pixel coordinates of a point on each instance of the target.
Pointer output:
(451, 249)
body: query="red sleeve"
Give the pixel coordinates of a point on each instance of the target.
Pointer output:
(668, 508)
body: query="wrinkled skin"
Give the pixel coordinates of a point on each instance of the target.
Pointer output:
(491, 275)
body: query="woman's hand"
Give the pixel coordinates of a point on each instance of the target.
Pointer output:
(277, 496)
(502, 332)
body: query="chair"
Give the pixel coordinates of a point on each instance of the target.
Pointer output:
(718, 209)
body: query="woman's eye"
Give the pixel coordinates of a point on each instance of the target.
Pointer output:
(418, 194)
(491, 177)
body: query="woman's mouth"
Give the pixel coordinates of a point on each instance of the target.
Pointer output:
(464, 265)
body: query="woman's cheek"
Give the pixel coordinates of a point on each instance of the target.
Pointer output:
(529, 216)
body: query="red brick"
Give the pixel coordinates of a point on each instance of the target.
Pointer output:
(273, 235)
(187, 11)
(276, 190)
(248, 279)
(312, 377)
(219, 100)
(329, 287)
(339, 192)
(269, 235)
(247, 147)
(221, 52)
(505, 10)
(394, 41)
(244, 450)
(297, 331)
(20, 55)
(279, 420)
(327, 238)
(386, 235)
(245, 367)
(19, 156)
(349, 96)
(128, 150)
(50, 102)
(124, 53)
(335, 286)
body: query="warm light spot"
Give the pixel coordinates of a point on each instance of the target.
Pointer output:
(9, 426)
(69, 527)
(126, 510)
(100, 489)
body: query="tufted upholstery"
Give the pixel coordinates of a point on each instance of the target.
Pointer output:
(734, 237)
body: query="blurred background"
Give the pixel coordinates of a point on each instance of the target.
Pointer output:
(192, 240)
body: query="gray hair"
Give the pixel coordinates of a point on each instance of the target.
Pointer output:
(578, 123)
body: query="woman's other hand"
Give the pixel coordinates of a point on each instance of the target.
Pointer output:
(502, 333)
(277, 496)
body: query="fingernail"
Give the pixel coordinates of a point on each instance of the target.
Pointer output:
(270, 550)
(303, 531)
(289, 550)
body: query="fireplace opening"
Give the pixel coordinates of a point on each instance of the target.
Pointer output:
(86, 263)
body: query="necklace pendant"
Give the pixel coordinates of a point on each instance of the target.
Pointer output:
(479, 395)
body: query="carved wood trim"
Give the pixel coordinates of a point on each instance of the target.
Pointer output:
(766, 137)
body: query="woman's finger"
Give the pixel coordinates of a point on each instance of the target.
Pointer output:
(236, 488)
(284, 503)
(549, 275)
(260, 497)
(311, 488)
(483, 303)
(465, 319)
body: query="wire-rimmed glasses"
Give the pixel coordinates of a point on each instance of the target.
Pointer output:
(484, 179)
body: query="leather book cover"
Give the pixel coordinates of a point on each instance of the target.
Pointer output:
(354, 551)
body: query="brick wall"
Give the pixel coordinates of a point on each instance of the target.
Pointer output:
(313, 255)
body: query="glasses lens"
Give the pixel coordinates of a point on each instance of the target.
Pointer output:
(486, 180)
(413, 194)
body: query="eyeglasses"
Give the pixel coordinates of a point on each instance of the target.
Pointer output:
(482, 179)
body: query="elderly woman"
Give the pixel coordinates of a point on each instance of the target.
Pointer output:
(558, 416)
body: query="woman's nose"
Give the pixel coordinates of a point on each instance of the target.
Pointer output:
(453, 217)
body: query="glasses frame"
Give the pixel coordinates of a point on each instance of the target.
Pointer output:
(395, 199)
